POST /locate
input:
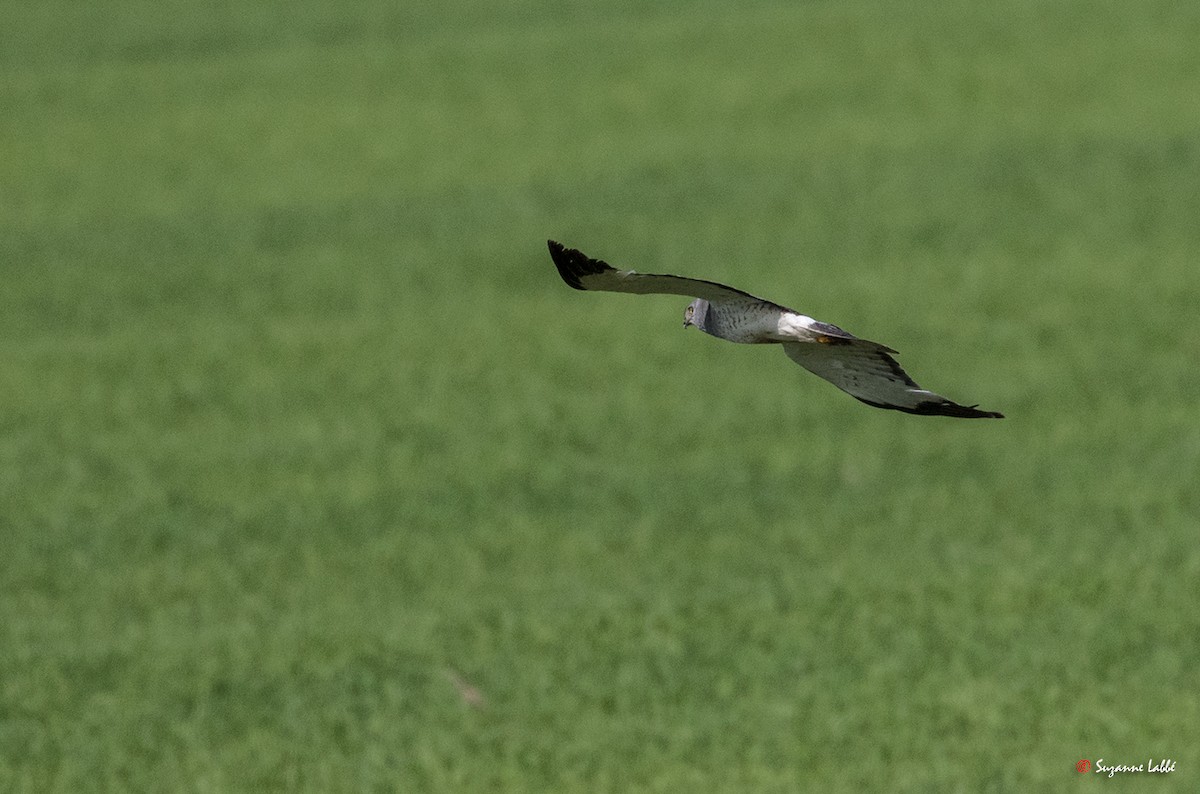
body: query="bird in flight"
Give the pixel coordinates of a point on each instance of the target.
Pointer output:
(865, 370)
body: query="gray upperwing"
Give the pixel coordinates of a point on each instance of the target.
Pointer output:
(866, 371)
(584, 273)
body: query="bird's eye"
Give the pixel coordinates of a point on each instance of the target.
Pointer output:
(689, 311)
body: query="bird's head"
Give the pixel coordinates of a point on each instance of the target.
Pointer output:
(696, 313)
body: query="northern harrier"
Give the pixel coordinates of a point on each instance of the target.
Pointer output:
(864, 370)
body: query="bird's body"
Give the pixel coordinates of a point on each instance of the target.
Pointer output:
(859, 367)
(737, 321)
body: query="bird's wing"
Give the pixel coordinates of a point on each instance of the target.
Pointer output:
(582, 272)
(865, 371)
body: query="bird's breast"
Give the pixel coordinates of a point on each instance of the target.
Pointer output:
(745, 325)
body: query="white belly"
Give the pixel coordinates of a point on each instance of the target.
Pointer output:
(794, 327)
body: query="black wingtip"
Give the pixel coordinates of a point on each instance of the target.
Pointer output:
(946, 408)
(961, 411)
(572, 264)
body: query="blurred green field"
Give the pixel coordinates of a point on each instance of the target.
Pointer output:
(315, 477)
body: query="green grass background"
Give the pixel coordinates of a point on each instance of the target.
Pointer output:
(301, 434)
